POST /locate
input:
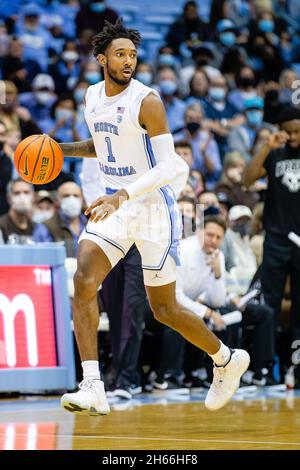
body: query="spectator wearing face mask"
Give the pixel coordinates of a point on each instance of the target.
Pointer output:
(175, 107)
(67, 223)
(231, 182)
(221, 115)
(240, 276)
(206, 157)
(44, 207)
(40, 101)
(92, 15)
(16, 227)
(243, 137)
(91, 73)
(144, 73)
(66, 70)
(245, 81)
(35, 38)
(228, 54)
(6, 166)
(203, 59)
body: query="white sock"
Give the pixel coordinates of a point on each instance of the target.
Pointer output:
(222, 356)
(91, 370)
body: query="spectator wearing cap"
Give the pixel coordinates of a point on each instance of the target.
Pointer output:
(40, 101)
(66, 224)
(243, 137)
(34, 37)
(220, 114)
(14, 116)
(44, 207)
(231, 182)
(92, 15)
(240, 276)
(187, 30)
(279, 159)
(6, 166)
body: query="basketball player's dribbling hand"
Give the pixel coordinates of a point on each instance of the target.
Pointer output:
(104, 206)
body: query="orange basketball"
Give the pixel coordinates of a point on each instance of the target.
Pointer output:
(38, 159)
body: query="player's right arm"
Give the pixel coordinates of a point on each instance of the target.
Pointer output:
(255, 168)
(84, 148)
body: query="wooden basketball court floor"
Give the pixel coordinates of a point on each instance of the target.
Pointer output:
(260, 420)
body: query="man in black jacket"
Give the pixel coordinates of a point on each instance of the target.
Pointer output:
(279, 159)
(6, 167)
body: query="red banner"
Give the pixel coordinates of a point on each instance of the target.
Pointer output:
(27, 334)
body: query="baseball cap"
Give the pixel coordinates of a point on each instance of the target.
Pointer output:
(43, 80)
(42, 195)
(225, 25)
(31, 10)
(236, 212)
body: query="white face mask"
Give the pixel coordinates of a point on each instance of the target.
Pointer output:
(70, 56)
(42, 97)
(21, 203)
(71, 206)
(41, 216)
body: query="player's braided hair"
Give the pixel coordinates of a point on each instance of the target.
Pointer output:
(113, 31)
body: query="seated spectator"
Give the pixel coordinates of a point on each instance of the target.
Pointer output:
(245, 81)
(40, 101)
(16, 227)
(6, 166)
(242, 138)
(286, 80)
(231, 182)
(240, 276)
(14, 116)
(34, 37)
(14, 70)
(203, 59)
(257, 232)
(92, 16)
(44, 207)
(187, 208)
(220, 114)
(66, 70)
(175, 107)
(67, 224)
(144, 73)
(206, 157)
(91, 72)
(199, 84)
(16, 51)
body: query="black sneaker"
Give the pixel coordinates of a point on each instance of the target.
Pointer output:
(263, 378)
(195, 384)
(170, 385)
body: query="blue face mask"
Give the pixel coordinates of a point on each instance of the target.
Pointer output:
(79, 95)
(217, 93)
(167, 59)
(254, 117)
(144, 77)
(98, 7)
(227, 39)
(66, 114)
(167, 87)
(266, 26)
(92, 77)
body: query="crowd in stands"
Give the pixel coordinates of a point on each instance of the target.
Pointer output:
(228, 79)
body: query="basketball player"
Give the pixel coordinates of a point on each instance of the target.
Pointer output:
(135, 150)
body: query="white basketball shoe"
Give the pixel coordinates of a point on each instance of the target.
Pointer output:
(90, 399)
(226, 379)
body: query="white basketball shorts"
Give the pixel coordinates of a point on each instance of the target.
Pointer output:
(153, 223)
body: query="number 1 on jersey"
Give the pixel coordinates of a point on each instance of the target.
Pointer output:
(110, 157)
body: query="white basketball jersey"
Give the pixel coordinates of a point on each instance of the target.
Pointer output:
(123, 147)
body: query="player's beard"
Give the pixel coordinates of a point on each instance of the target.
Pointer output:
(113, 76)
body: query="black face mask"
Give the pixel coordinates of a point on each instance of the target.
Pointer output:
(246, 82)
(211, 210)
(242, 229)
(193, 127)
